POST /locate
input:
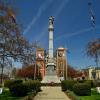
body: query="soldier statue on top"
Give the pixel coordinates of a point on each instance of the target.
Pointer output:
(51, 20)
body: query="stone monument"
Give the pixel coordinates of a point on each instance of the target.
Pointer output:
(51, 75)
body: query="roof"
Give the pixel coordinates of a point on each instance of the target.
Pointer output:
(61, 48)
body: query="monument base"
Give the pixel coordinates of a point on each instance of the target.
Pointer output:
(51, 75)
(49, 79)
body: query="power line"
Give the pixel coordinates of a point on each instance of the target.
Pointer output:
(91, 14)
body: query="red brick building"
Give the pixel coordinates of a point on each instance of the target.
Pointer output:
(40, 61)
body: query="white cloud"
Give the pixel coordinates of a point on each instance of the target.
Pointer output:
(39, 13)
(76, 33)
(60, 8)
(63, 4)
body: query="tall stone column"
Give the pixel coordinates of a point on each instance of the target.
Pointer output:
(51, 29)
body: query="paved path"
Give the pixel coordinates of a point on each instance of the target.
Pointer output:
(51, 93)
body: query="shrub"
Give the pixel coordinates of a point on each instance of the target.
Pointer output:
(64, 86)
(67, 84)
(82, 89)
(18, 89)
(97, 83)
(33, 85)
(72, 95)
(91, 83)
(30, 97)
(36, 86)
(8, 83)
(81, 81)
(0, 85)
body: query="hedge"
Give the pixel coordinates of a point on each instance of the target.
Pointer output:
(51, 84)
(82, 89)
(8, 83)
(33, 85)
(67, 85)
(18, 89)
(92, 83)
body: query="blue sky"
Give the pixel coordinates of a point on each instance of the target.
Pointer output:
(72, 25)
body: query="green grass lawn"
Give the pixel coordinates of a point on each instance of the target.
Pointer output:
(94, 96)
(7, 96)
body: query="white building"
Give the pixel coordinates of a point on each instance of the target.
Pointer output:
(93, 73)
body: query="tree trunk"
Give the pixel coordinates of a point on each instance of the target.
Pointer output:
(97, 65)
(2, 66)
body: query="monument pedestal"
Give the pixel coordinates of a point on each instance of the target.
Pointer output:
(51, 75)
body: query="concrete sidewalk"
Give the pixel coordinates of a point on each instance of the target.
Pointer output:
(51, 93)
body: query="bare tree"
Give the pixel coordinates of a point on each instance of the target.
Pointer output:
(12, 43)
(93, 50)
